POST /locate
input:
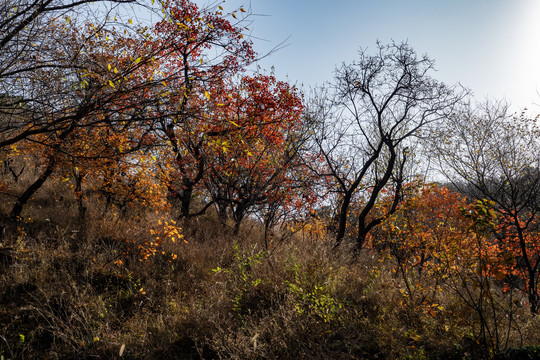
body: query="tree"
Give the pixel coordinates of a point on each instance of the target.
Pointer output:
(440, 242)
(112, 73)
(74, 91)
(255, 150)
(39, 60)
(207, 49)
(489, 154)
(426, 226)
(377, 108)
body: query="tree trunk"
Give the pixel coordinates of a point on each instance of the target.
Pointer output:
(342, 224)
(534, 300)
(238, 217)
(31, 190)
(185, 201)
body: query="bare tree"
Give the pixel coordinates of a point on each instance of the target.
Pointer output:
(368, 120)
(488, 153)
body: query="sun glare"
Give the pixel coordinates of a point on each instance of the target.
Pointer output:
(525, 56)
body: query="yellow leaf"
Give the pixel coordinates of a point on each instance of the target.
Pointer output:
(164, 83)
(111, 84)
(235, 124)
(109, 66)
(220, 8)
(137, 60)
(130, 21)
(115, 70)
(207, 94)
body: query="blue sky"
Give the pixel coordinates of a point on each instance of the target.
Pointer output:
(489, 46)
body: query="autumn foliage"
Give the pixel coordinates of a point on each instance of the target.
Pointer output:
(160, 198)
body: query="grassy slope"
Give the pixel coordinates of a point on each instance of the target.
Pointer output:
(64, 296)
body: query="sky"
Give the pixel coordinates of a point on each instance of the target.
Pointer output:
(489, 46)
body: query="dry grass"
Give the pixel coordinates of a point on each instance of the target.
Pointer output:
(65, 296)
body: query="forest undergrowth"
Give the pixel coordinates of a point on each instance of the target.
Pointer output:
(111, 290)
